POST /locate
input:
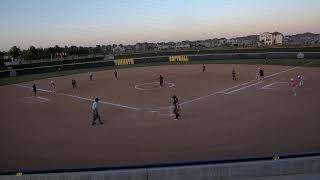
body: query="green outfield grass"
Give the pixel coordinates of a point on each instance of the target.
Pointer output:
(286, 62)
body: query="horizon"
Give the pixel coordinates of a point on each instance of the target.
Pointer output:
(90, 23)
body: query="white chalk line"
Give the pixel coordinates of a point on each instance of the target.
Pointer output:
(137, 86)
(215, 93)
(262, 81)
(29, 97)
(19, 85)
(244, 87)
(274, 83)
(42, 99)
(102, 102)
(183, 103)
(224, 91)
(269, 85)
(81, 98)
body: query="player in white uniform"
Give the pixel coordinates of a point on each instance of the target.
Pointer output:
(301, 79)
(53, 86)
(95, 112)
(258, 74)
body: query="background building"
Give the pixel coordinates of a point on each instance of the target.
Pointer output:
(269, 39)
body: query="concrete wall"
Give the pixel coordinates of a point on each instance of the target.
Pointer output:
(299, 168)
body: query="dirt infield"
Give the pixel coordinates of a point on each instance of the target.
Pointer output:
(221, 118)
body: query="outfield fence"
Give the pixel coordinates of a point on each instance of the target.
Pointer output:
(99, 62)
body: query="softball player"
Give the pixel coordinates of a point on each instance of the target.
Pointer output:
(257, 74)
(176, 107)
(53, 86)
(261, 73)
(34, 87)
(74, 83)
(301, 79)
(293, 86)
(234, 74)
(161, 80)
(95, 112)
(91, 76)
(116, 74)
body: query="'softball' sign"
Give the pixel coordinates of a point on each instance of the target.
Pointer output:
(120, 62)
(178, 58)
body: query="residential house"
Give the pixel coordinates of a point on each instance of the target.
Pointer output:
(246, 41)
(302, 39)
(222, 42)
(269, 39)
(141, 46)
(182, 45)
(162, 46)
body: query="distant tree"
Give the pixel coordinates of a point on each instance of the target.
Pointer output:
(1, 59)
(66, 49)
(15, 52)
(97, 49)
(73, 50)
(83, 51)
(57, 49)
(33, 52)
(41, 53)
(26, 55)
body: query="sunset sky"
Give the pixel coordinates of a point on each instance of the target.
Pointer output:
(44, 23)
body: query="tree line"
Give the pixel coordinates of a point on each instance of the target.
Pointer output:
(33, 53)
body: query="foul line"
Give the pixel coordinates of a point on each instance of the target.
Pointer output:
(245, 87)
(214, 93)
(224, 91)
(81, 98)
(102, 102)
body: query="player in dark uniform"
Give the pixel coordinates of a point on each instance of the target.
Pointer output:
(74, 83)
(261, 72)
(91, 76)
(116, 74)
(176, 107)
(234, 74)
(161, 80)
(203, 68)
(34, 87)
